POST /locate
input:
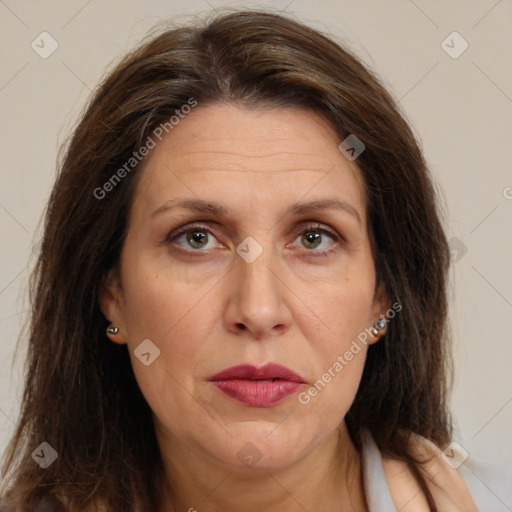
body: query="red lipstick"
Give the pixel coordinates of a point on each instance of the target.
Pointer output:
(258, 387)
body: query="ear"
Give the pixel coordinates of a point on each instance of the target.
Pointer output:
(110, 298)
(380, 306)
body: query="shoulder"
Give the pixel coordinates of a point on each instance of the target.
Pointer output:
(479, 483)
(389, 483)
(403, 487)
(456, 480)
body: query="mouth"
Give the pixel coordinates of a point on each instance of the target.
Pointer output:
(262, 386)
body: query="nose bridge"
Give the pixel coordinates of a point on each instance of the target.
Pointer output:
(256, 271)
(257, 300)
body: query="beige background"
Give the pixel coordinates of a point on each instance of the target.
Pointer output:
(460, 109)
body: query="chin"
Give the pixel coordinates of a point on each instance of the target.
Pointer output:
(266, 446)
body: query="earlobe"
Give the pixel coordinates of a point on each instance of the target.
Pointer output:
(381, 306)
(110, 301)
(379, 328)
(114, 334)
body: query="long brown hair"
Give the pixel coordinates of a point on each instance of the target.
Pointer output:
(80, 395)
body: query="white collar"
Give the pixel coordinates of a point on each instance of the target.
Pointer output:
(376, 486)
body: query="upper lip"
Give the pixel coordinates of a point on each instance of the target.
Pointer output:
(251, 372)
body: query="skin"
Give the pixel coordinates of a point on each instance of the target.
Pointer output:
(209, 311)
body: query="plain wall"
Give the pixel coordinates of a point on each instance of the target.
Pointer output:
(460, 109)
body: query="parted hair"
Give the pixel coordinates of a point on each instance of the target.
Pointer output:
(80, 393)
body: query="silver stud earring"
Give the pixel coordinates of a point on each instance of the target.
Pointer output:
(379, 326)
(112, 330)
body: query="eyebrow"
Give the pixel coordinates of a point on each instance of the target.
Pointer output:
(298, 208)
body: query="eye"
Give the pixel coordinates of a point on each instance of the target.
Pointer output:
(195, 236)
(313, 237)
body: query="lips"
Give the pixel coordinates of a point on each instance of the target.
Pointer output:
(258, 387)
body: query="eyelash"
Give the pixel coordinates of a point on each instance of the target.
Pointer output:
(173, 235)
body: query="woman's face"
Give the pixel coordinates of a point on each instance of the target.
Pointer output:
(262, 276)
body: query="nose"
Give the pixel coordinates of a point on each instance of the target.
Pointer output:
(257, 304)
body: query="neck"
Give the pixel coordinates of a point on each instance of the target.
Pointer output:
(328, 478)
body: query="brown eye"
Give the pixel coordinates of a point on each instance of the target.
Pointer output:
(197, 238)
(310, 239)
(316, 237)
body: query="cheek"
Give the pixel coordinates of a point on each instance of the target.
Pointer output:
(176, 316)
(170, 383)
(344, 311)
(161, 304)
(338, 346)
(332, 392)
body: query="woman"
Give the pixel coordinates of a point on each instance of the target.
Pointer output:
(240, 302)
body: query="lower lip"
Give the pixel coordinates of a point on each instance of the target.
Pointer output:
(258, 393)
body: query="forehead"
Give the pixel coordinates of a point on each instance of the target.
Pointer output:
(240, 155)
